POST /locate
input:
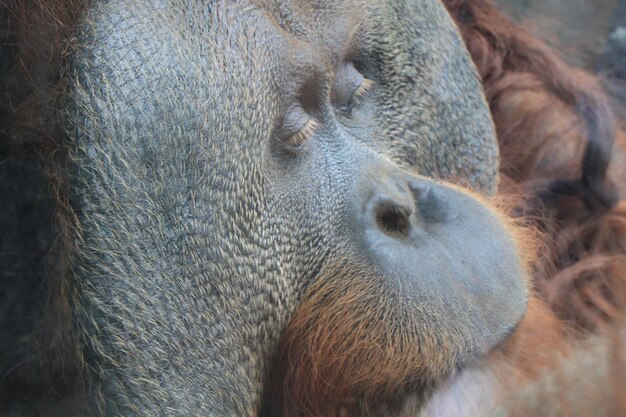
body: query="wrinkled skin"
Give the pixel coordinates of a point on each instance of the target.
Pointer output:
(202, 228)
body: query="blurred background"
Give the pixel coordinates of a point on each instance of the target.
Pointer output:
(589, 34)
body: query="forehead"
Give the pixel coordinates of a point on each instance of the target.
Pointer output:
(334, 23)
(197, 31)
(302, 33)
(179, 68)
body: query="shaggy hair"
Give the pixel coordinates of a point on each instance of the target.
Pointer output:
(559, 146)
(564, 164)
(557, 138)
(561, 153)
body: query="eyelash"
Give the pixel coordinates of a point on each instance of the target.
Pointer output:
(312, 125)
(303, 134)
(361, 91)
(359, 94)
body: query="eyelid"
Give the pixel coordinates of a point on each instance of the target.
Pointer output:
(303, 134)
(361, 91)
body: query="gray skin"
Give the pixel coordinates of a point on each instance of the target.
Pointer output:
(201, 226)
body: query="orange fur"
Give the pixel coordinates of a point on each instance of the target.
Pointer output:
(338, 356)
(556, 134)
(559, 151)
(549, 118)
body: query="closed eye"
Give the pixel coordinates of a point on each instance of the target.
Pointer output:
(349, 88)
(296, 140)
(360, 92)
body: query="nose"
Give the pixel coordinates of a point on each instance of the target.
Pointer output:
(391, 209)
(440, 246)
(398, 204)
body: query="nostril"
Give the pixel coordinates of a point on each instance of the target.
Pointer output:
(392, 219)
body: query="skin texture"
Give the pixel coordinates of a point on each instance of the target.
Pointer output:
(245, 223)
(201, 230)
(230, 172)
(562, 158)
(556, 132)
